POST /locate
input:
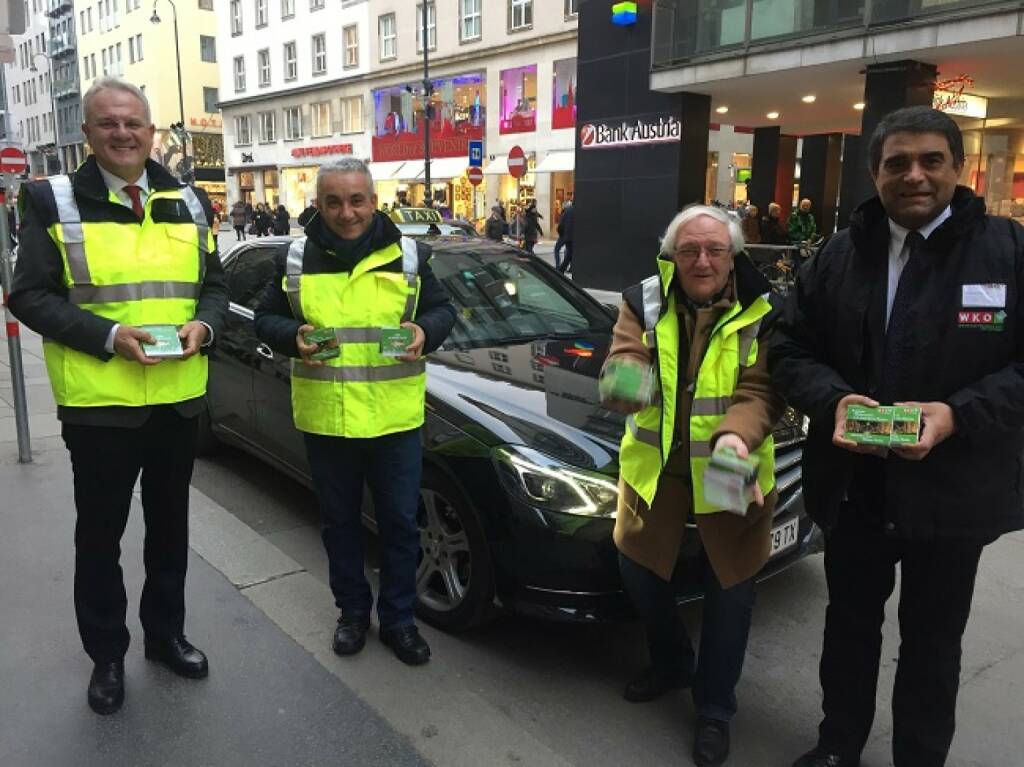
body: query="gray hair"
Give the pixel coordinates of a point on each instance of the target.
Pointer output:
(344, 165)
(115, 84)
(690, 212)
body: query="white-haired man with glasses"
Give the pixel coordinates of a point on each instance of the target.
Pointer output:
(697, 324)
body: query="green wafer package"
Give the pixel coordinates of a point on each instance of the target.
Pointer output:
(627, 380)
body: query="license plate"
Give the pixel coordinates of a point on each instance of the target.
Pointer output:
(785, 536)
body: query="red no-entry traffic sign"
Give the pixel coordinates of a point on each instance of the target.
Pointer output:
(12, 160)
(475, 175)
(516, 162)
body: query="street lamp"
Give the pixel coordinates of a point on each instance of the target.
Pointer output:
(181, 100)
(53, 104)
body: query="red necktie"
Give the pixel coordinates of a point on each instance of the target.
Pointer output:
(133, 192)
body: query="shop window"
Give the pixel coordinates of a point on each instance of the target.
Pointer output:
(266, 127)
(263, 67)
(321, 119)
(291, 65)
(293, 123)
(352, 114)
(520, 14)
(563, 94)
(470, 27)
(431, 27)
(319, 54)
(518, 100)
(388, 37)
(243, 130)
(350, 37)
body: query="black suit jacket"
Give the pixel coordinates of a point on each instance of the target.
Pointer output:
(40, 299)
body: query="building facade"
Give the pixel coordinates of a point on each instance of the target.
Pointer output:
(67, 97)
(321, 86)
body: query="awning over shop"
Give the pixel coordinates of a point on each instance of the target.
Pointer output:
(411, 171)
(448, 167)
(498, 166)
(556, 162)
(383, 171)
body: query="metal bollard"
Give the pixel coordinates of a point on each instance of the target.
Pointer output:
(14, 347)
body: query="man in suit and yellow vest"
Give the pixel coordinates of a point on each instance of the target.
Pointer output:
(360, 412)
(117, 245)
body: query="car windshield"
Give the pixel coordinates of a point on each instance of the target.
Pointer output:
(506, 297)
(425, 230)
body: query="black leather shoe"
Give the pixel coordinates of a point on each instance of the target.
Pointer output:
(651, 684)
(350, 635)
(179, 656)
(407, 643)
(822, 757)
(106, 687)
(711, 744)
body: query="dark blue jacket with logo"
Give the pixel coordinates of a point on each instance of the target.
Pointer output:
(830, 342)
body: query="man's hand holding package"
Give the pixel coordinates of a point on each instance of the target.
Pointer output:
(937, 424)
(736, 442)
(839, 434)
(128, 344)
(305, 350)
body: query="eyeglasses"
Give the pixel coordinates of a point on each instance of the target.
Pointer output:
(692, 252)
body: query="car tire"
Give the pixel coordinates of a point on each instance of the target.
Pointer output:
(454, 575)
(206, 441)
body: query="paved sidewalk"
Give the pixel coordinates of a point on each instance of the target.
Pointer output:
(267, 700)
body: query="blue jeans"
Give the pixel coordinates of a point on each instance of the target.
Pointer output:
(723, 636)
(391, 466)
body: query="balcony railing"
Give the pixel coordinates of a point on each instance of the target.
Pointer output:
(62, 88)
(689, 29)
(62, 43)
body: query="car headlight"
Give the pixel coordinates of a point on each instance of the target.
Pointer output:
(543, 481)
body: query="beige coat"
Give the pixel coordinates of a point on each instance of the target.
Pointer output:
(737, 547)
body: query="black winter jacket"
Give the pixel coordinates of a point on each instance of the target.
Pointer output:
(830, 342)
(277, 327)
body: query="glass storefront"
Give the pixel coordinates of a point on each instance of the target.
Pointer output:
(994, 164)
(271, 194)
(299, 186)
(518, 100)
(563, 94)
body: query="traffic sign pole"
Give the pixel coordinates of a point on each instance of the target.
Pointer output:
(14, 339)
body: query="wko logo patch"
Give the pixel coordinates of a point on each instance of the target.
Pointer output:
(981, 320)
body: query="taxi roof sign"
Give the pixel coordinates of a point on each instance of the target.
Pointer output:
(415, 216)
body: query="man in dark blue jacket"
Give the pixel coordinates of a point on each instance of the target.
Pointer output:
(920, 301)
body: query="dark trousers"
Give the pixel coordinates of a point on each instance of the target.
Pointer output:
(725, 627)
(391, 465)
(240, 232)
(937, 584)
(106, 462)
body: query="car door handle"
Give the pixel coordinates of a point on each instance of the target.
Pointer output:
(265, 351)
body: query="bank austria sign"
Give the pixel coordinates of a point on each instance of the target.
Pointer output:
(635, 133)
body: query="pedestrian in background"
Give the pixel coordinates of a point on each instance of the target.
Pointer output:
(249, 213)
(307, 214)
(707, 301)
(123, 412)
(361, 412)
(566, 234)
(772, 232)
(531, 226)
(215, 227)
(751, 226)
(494, 226)
(920, 301)
(802, 227)
(238, 219)
(282, 221)
(262, 220)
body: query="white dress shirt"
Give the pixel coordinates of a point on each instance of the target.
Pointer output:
(116, 184)
(899, 253)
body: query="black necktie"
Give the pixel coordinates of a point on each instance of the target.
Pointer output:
(899, 343)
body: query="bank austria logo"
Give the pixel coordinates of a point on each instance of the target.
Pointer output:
(639, 132)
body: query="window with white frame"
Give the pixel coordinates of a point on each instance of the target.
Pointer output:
(350, 39)
(319, 54)
(469, 20)
(266, 127)
(291, 62)
(387, 36)
(431, 27)
(316, 5)
(352, 114)
(131, 50)
(243, 130)
(208, 48)
(239, 74)
(263, 67)
(119, 69)
(293, 122)
(287, 9)
(106, 62)
(138, 47)
(261, 13)
(572, 8)
(520, 14)
(321, 119)
(236, 17)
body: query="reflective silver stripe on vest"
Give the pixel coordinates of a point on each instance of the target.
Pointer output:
(710, 405)
(410, 268)
(747, 337)
(640, 434)
(357, 335)
(700, 450)
(354, 374)
(293, 276)
(71, 225)
(199, 218)
(652, 301)
(135, 291)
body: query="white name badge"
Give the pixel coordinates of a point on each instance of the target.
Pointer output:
(990, 296)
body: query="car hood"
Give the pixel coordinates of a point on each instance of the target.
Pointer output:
(539, 393)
